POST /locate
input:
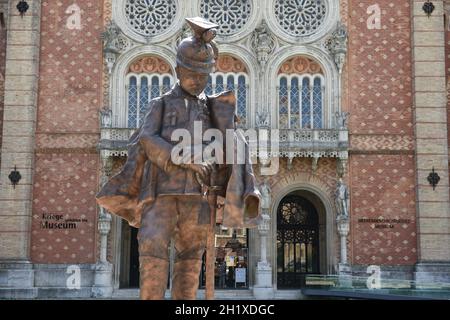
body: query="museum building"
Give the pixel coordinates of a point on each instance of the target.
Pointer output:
(356, 89)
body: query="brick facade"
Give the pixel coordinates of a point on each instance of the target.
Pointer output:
(391, 86)
(381, 166)
(383, 188)
(67, 132)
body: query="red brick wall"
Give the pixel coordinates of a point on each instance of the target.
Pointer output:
(383, 187)
(380, 102)
(67, 164)
(380, 69)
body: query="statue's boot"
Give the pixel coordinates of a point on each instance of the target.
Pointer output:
(153, 277)
(185, 279)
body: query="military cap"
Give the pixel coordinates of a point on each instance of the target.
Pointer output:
(198, 52)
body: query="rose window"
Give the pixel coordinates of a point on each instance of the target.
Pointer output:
(300, 17)
(150, 17)
(230, 15)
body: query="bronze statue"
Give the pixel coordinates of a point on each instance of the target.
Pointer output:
(179, 201)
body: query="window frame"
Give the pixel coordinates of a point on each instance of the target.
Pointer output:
(236, 76)
(139, 77)
(300, 77)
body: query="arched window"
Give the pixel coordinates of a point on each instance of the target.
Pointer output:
(231, 74)
(148, 78)
(300, 94)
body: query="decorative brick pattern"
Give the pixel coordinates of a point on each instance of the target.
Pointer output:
(107, 16)
(345, 104)
(362, 143)
(64, 185)
(50, 141)
(67, 165)
(378, 93)
(380, 88)
(71, 69)
(383, 187)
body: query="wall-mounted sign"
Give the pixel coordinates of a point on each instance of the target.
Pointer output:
(58, 221)
(383, 223)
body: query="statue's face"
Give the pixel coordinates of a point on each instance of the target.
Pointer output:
(191, 81)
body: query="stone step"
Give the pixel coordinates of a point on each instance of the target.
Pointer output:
(132, 294)
(18, 293)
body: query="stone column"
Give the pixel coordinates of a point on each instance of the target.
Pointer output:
(342, 202)
(263, 288)
(344, 269)
(103, 287)
(430, 107)
(343, 226)
(19, 126)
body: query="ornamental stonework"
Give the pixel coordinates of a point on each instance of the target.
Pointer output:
(300, 65)
(151, 17)
(150, 64)
(344, 12)
(107, 12)
(230, 15)
(300, 18)
(227, 63)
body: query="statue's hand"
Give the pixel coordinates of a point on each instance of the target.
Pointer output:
(203, 169)
(195, 161)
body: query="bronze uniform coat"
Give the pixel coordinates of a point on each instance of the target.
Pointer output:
(149, 172)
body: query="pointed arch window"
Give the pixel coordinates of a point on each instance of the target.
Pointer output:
(300, 94)
(148, 78)
(231, 74)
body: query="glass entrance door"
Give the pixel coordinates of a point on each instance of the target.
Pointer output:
(297, 241)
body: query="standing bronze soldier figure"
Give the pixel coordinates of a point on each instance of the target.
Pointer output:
(167, 200)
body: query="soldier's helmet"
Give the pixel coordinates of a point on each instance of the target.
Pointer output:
(198, 52)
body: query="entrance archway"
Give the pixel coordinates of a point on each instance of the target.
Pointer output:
(316, 196)
(298, 247)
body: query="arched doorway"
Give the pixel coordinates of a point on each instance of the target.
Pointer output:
(298, 241)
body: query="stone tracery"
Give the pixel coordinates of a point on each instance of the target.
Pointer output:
(150, 17)
(300, 17)
(230, 15)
